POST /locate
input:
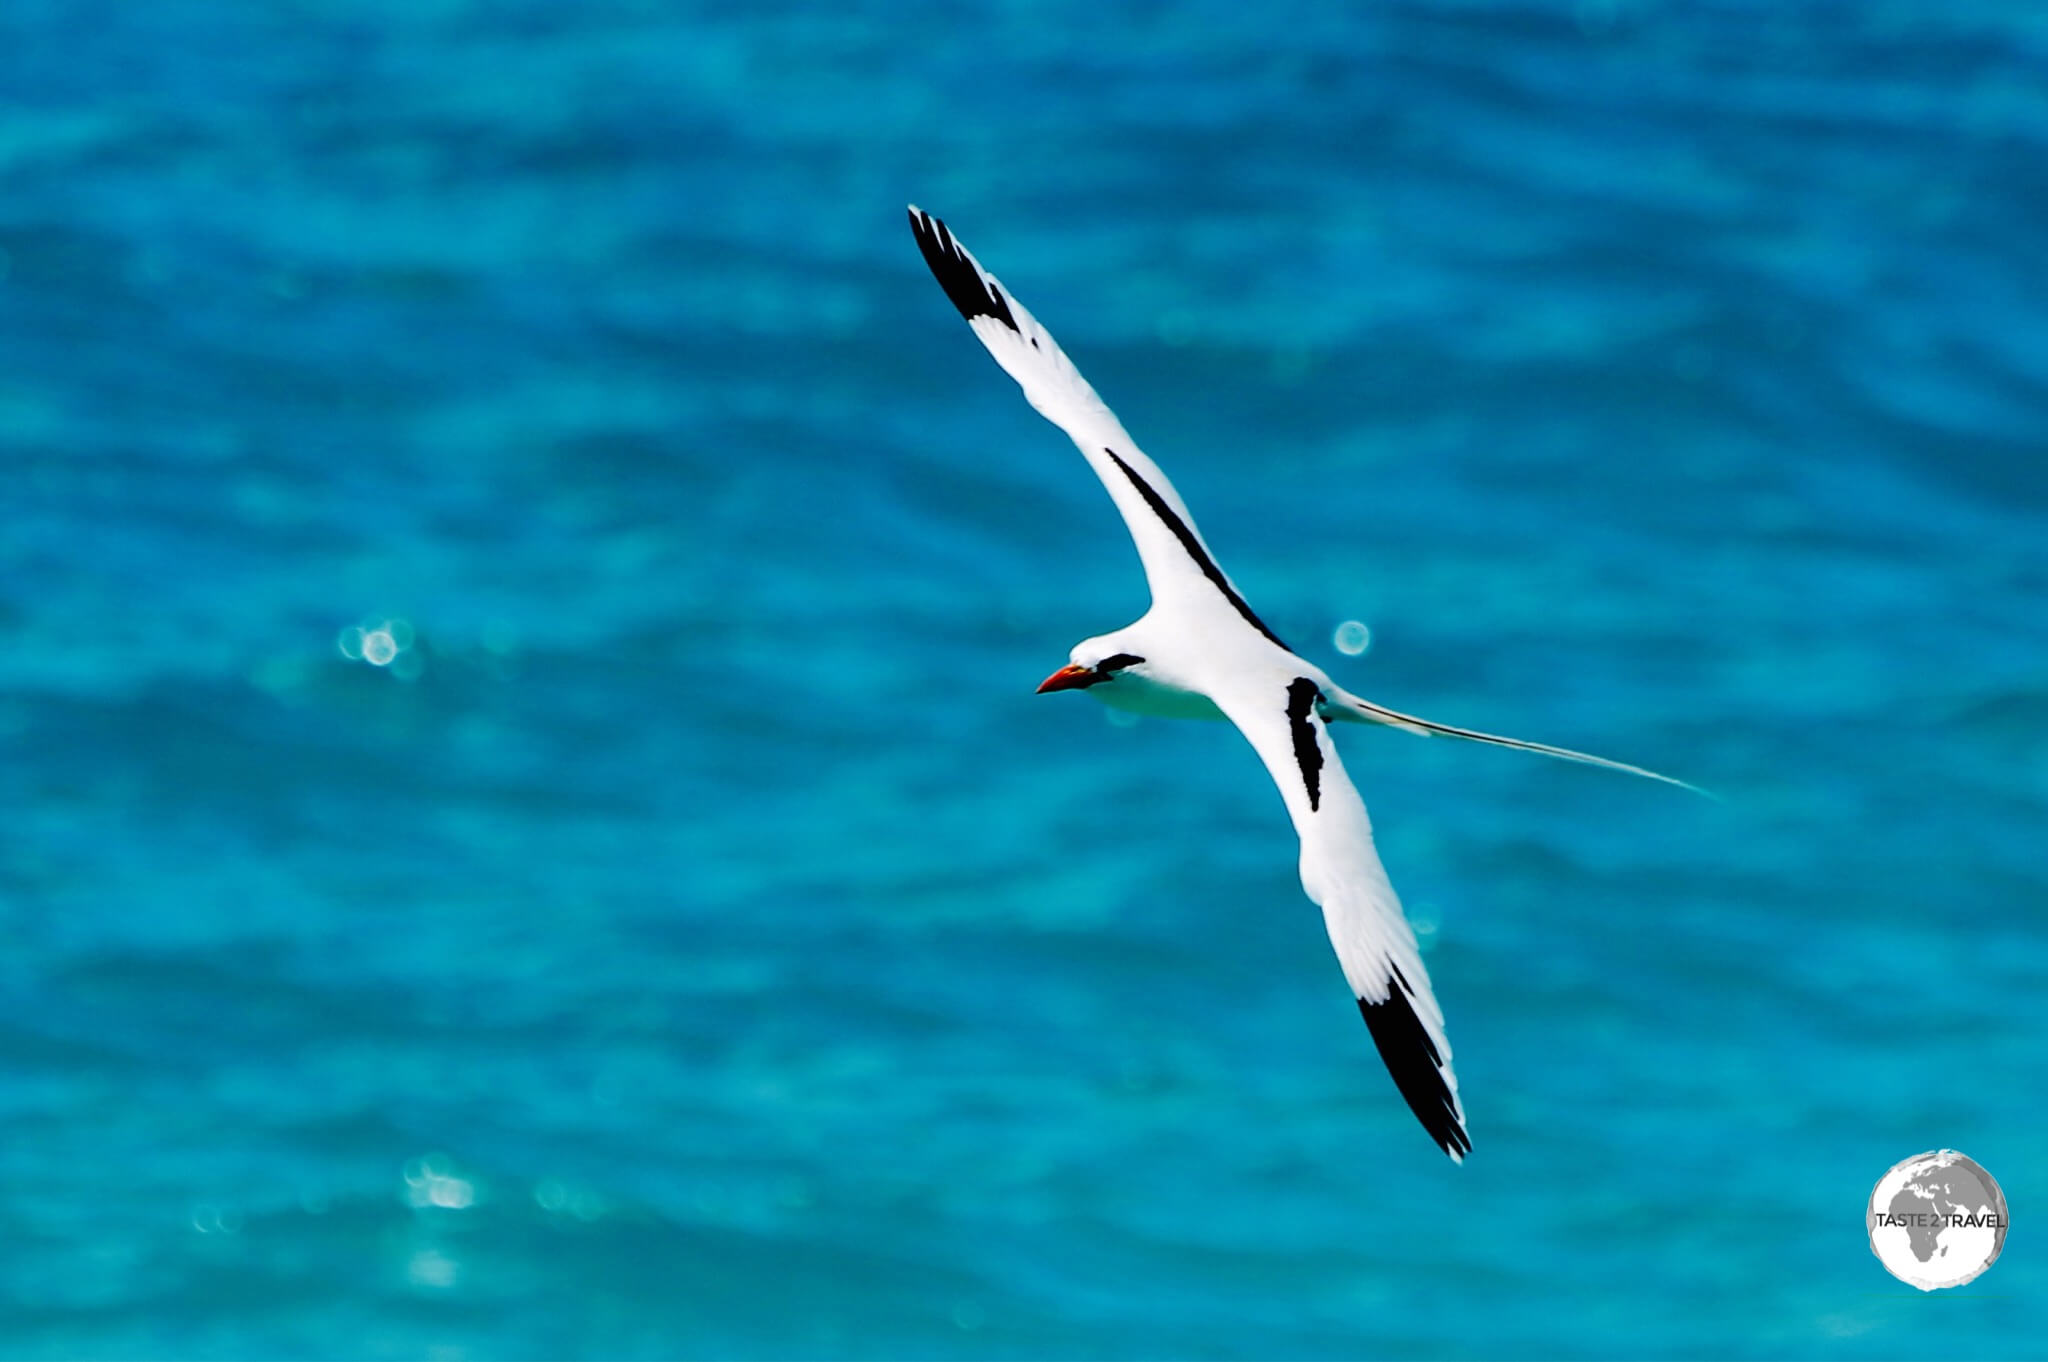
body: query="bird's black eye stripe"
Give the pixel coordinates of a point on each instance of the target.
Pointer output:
(1117, 662)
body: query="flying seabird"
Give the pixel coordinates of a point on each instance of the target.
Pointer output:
(1201, 652)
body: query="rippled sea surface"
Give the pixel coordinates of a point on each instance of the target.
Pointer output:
(695, 939)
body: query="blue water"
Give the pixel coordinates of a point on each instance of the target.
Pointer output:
(698, 940)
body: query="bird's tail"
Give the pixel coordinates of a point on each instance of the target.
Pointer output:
(1344, 705)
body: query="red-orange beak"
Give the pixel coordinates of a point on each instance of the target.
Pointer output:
(1071, 677)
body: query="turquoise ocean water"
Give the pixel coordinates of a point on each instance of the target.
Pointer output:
(697, 940)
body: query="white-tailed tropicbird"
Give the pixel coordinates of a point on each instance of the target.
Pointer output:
(1200, 653)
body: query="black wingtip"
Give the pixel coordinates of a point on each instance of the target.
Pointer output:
(956, 274)
(1412, 1058)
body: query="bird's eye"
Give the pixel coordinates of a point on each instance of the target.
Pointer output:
(1117, 662)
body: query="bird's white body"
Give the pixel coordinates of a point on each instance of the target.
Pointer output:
(1157, 700)
(1158, 688)
(1200, 653)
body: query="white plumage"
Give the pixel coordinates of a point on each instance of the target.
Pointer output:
(1200, 652)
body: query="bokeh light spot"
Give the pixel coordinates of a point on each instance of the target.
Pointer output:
(1426, 921)
(1353, 638)
(432, 1181)
(386, 642)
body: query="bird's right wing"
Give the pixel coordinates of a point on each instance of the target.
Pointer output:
(1178, 566)
(1341, 873)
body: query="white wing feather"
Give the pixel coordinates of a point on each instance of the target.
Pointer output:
(1342, 874)
(1028, 353)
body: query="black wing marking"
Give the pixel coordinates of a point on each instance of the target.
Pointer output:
(1302, 697)
(1412, 1058)
(1194, 547)
(956, 273)
(1056, 389)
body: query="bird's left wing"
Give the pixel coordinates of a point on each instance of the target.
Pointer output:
(1341, 873)
(1179, 568)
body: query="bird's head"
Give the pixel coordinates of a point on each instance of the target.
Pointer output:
(1093, 663)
